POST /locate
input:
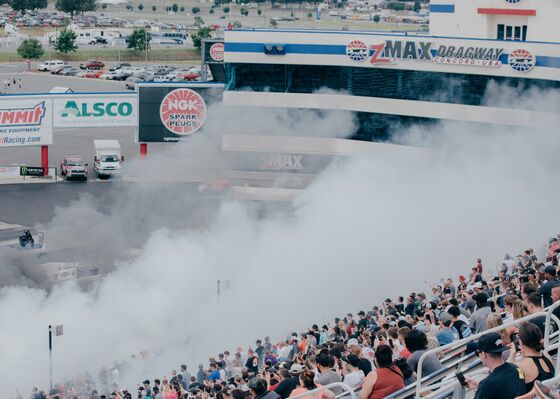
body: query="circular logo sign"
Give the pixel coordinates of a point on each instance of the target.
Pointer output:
(217, 51)
(513, 1)
(182, 111)
(357, 50)
(521, 60)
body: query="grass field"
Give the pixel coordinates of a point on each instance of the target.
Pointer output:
(156, 55)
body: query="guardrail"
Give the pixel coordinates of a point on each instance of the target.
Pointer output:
(11, 175)
(347, 391)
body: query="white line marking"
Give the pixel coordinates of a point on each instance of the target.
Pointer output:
(7, 226)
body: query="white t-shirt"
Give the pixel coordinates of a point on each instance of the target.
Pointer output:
(354, 379)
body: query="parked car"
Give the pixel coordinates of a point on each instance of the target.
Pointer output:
(92, 64)
(138, 71)
(123, 73)
(120, 65)
(72, 71)
(93, 74)
(72, 167)
(98, 40)
(47, 65)
(131, 82)
(55, 69)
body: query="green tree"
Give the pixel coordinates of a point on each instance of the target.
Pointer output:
(203, 32)
(243, 11)
(237, 24)
(30, 49)
(138, 39)
(198, 21)
(273, 23)
(175, 7)
(182, 9)
(416, 6)
(225, 9)
(66, 42)
(309, 15)
(104, 6)
(259, 11)
(376, 18)
(211, 11)
(23, 5)
(154, 8)
(195, 10)
(140, 6)
(74, 7)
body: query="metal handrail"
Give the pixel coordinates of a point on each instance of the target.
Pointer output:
(342, 385)
(549, 315)
(465, 341)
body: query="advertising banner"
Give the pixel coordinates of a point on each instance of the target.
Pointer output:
(93, 111)
(172, 112)
(9, 171)
(25, 121)
(31, 171)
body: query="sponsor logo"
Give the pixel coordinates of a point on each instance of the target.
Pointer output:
(217, 51)
(281, 162)
(392, 50)
(183, 111)
(96, 109)
(357, 50)
(513, 1)
(521, 60)
(32, 116)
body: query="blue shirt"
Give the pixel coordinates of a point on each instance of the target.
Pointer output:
(445, 336)
(214, 375)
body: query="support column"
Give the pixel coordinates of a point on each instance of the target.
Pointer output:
(143, 150)
(45, 158)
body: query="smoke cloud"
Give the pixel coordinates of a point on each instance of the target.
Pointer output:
(366, 229)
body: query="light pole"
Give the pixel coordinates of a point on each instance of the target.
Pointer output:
(50, 357)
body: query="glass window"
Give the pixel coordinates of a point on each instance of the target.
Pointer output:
(524, 33)
(517, 33)
(500, 34)
(509, 32)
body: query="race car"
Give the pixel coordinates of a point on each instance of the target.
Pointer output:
(216, 187)
(72, 167)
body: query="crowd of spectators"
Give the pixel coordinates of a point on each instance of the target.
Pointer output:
(377, 351)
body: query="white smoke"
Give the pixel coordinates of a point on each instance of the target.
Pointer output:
(366, 229)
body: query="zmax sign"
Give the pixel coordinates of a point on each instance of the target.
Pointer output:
(390, 51)
(95, 111)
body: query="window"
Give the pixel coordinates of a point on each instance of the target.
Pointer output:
(511, 32)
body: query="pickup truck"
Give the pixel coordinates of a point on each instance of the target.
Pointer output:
(72, 167)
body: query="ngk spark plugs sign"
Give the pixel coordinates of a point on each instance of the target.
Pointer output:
(95, 111)
(25, 121)
(171, 112)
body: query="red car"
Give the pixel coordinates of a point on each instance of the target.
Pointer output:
(188, 76)
(93, 74)
(92, 64)
(72, 167)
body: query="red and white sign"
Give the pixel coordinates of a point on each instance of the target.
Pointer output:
(183, 111)
(25, 121)
(217, 51)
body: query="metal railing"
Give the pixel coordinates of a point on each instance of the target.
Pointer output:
(347, 391)
(463, 342)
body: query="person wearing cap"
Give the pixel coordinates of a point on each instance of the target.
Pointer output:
(289, 381)
(506, 381)
(446, 335)
(477, 322)
(546, 289)
(353, 376)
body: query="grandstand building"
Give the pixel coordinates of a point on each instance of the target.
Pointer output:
(395, 77)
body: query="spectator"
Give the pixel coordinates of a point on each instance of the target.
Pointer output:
(353, 376)
(546, 289)
(201, 374)
(252, 362)
(326, 375)
(534, 305)
(257, 388)
(417, 343)
(306, 383)
(495, 320)
(463, 330)
(477, 322)
(386, 379)
(506, 381)
(446, 335)
(354, 348)
(289, 380)
(555, 298)
(469, 304)
(186, 375)
(403, 353)
(214, 372)
(534, 364)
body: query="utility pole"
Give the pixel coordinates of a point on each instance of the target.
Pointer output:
(50, 356)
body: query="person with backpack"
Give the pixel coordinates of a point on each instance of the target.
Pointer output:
(459, 326)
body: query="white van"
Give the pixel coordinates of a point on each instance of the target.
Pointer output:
(47, 65)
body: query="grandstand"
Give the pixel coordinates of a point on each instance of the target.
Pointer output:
(348, 346)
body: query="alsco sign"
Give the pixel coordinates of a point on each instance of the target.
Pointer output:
(390, 51)
(95, 111)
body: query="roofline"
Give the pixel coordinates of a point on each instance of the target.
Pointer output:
(382, 33)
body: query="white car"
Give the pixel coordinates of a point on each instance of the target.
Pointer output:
(109, 75)
(161, 79)
(47, 65)
(138, 71)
